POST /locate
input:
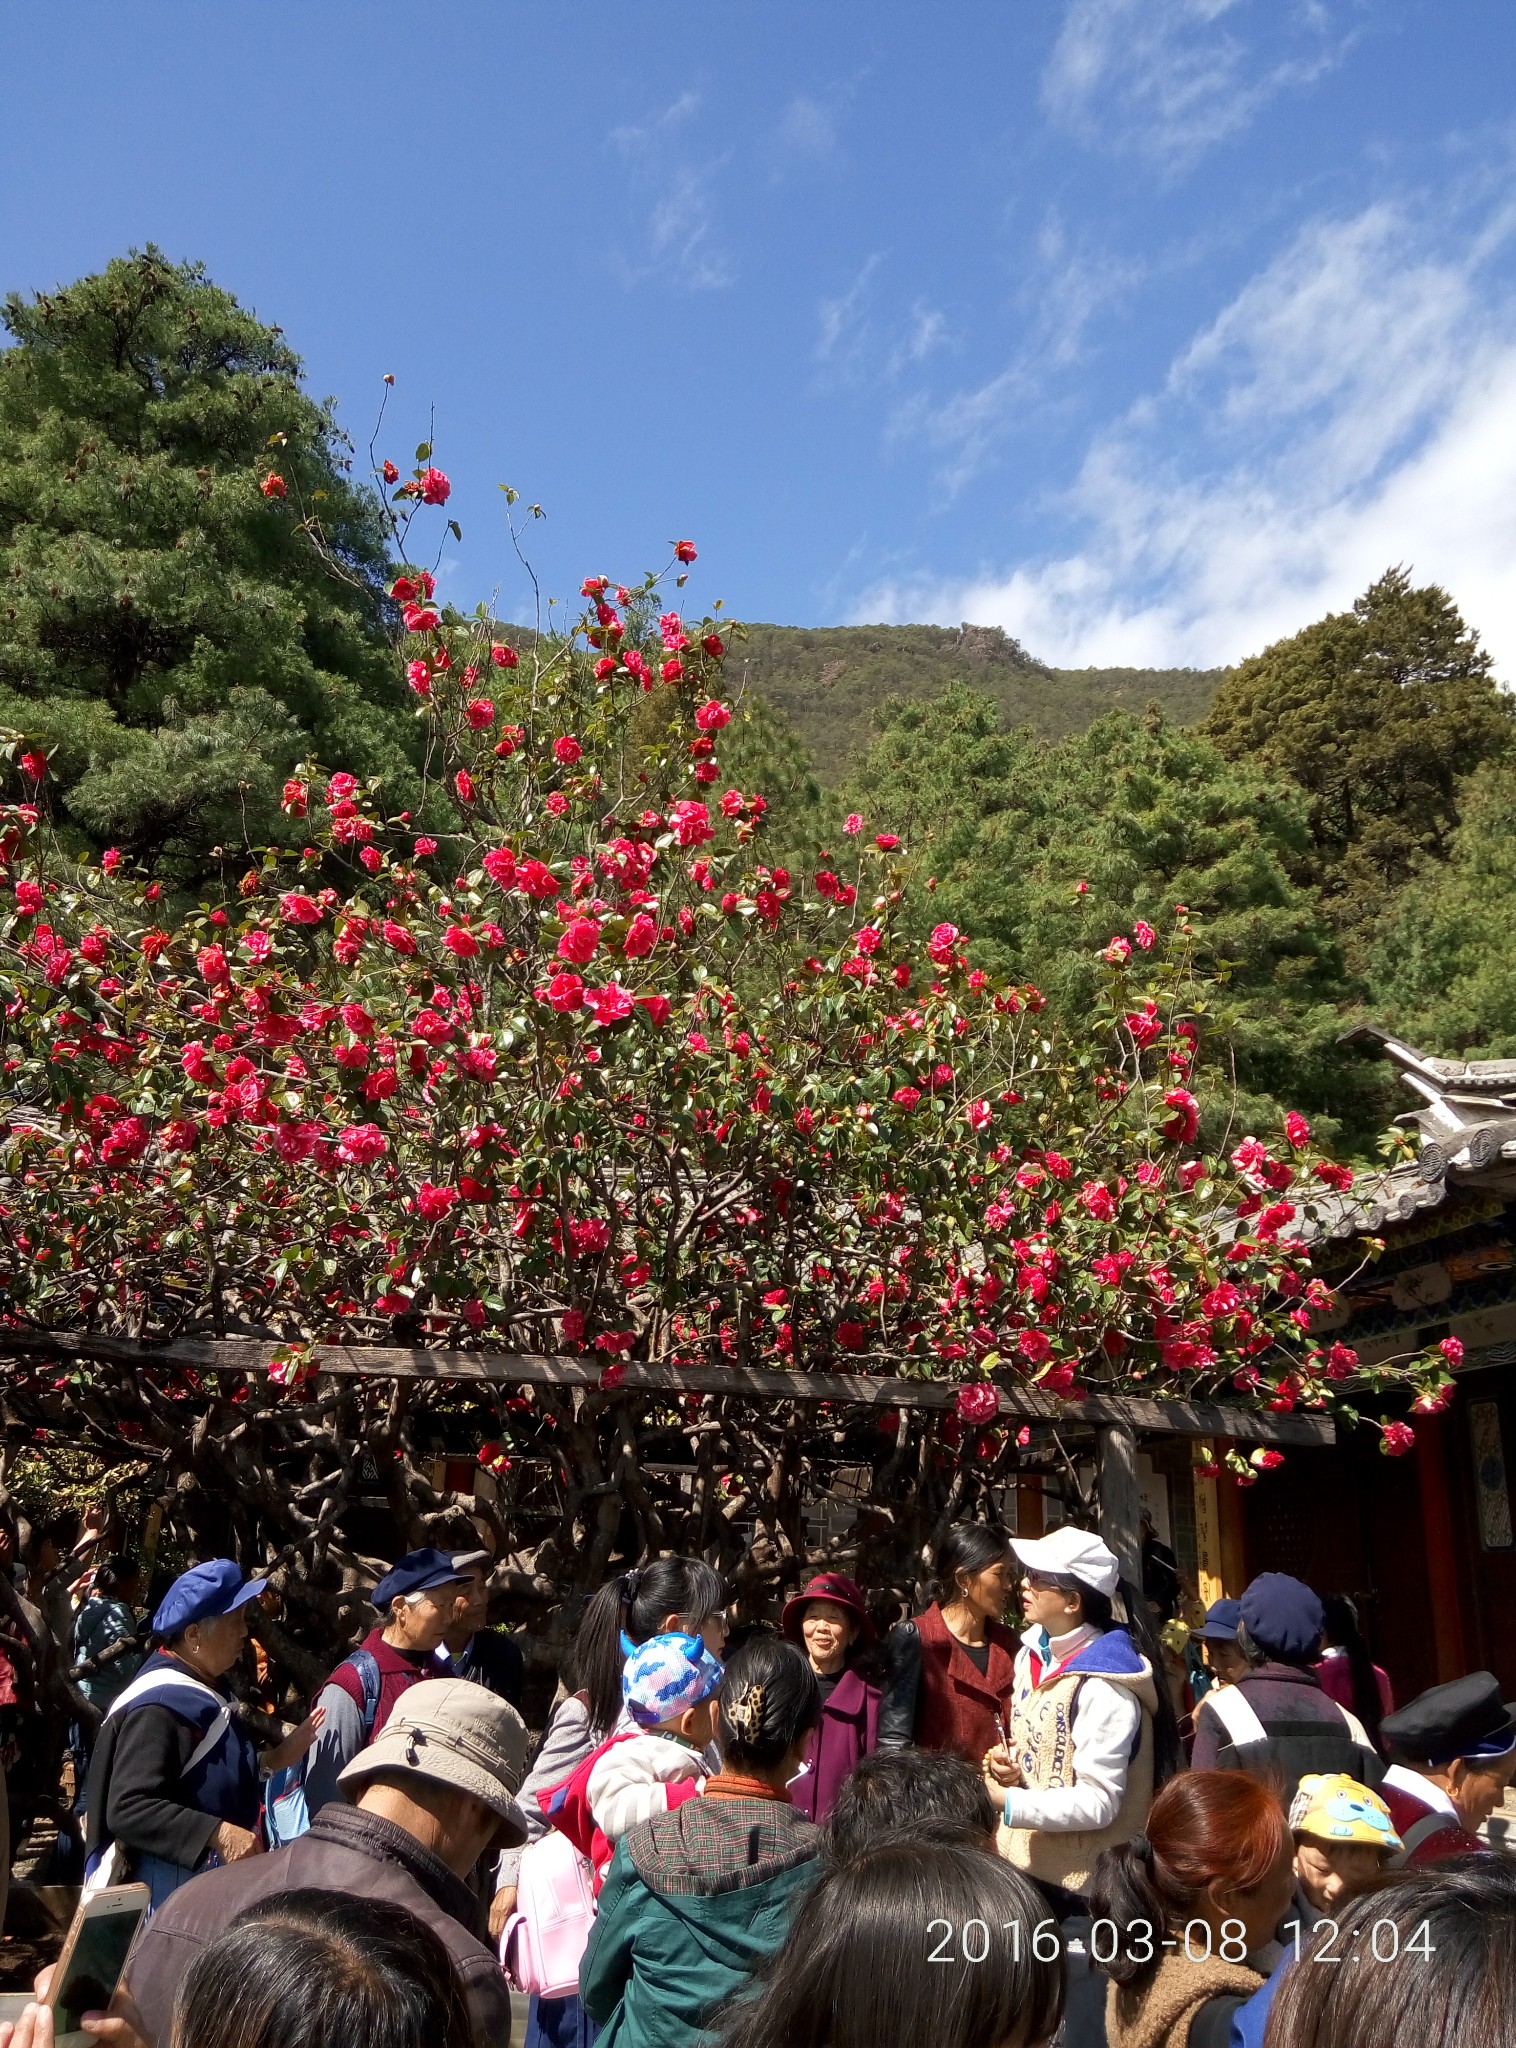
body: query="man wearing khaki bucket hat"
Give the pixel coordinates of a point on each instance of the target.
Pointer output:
(429, 1796)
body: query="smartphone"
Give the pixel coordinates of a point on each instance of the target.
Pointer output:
(95, 1952)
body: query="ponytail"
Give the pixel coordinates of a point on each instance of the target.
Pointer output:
(1205, 1830)
(1124, 1890)
(635, 1605)
(769, 1700)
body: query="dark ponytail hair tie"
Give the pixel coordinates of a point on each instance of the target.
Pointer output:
(1142, 1847)
(630, 1581)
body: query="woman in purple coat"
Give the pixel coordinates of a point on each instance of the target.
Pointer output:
(831, 1624)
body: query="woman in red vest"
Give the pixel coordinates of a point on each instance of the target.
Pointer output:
(953, 1669)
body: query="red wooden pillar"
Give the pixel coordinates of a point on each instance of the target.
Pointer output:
(1443, 1577)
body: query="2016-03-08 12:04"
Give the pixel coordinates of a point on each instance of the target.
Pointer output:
(1139, 1942)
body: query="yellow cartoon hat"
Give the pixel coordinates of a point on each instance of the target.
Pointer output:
(1332, 1807)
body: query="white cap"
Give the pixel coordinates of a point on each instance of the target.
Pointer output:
(1071, 1553)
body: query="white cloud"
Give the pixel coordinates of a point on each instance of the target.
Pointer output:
(680, 237)
(860, 341)
(1170, 78)
(807, 130)
(1069, 287)
(1354, 406)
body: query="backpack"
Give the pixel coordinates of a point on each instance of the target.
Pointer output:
(285, 1814)
(544, 1940)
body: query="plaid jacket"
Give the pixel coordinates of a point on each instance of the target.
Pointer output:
(717, 1845)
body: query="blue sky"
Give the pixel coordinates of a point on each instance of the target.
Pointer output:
(1147, 329)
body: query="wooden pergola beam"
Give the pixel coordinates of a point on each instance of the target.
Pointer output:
(516, 1368)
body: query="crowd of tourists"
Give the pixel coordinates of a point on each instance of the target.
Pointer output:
(1112, 1829)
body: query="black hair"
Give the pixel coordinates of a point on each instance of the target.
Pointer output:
(1099, 1610)
(930, 1795)
(867, 1959)
(322, 1969)
(768, 1700)
(115, 1572)
(1340, 1625)
(635, 1604)
(1435, 1951)
(970, 1547)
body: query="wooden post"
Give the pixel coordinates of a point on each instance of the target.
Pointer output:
(1030, 1519)
(1120, 1504)
(1234, 1540)
(1209, 1576)
(1437, 1534)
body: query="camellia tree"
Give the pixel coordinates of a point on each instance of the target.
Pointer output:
(591, 1077)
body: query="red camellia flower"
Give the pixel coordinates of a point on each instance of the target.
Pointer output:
(419, 676)
(419, 618)
(503, 656)
(458, 939)
(566, 991)
(28, 898)
(111, 859)
(34, 765)
(641, 936)
(297, 909)
(684, 551)
(712, 716)
(536, 879)
(360, 1144)
(579, 941)
(1181, 1127)
(389, 471)
(907, 1097)
(940, 945)
(610, 1004)
(886, 841)
(657, 1008)
(435, 488)
(1144, 934)
(566, 749)
(1118, 951)
(433, 1202)
(691, 822)
(273, 485)
(1296, 1129)
(397, 938)
(479, 712)
(1452, 1350)
(850, 1335)
(978, 1404)
(463, 782)
(1035, 1346)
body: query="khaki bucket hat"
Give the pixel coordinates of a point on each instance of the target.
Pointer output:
(458, 1734)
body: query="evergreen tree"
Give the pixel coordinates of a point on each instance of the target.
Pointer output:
(1375, 714)
(1146, 816)
(191, 587)
(1444, 957)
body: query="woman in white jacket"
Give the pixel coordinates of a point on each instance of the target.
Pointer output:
(1092, 1732)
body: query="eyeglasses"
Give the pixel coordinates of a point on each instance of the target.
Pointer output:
(1043, 1582)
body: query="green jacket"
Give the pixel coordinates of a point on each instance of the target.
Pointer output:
(694, 1902)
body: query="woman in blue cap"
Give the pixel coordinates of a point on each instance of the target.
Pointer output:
(174, 1786)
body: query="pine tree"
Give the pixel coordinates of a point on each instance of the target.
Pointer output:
(1375, 714)
(1146, 816)
(191, 587)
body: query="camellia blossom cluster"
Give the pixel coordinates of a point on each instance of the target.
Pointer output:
(588, 1073)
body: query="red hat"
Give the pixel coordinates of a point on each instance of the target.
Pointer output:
(833, 1586)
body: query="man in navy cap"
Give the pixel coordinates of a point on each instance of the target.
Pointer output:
(416, 1599)
(1453, 1752)
(1274, 1721)
(174, 1786)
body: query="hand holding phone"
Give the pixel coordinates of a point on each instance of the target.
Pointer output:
(85, 1976)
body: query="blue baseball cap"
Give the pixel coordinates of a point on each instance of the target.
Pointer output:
(216, 1587)
(1220, 1624)
(419, 1571)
